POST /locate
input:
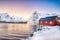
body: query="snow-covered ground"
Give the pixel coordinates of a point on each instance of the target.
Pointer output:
(47, 33)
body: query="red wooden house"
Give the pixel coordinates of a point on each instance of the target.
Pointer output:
(48, 21)
(58, 21)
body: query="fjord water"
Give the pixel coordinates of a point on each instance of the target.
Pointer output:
(15, 29)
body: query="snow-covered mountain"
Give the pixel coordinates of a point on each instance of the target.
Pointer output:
(7, 18)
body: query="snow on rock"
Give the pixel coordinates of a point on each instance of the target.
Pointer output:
(48, 33)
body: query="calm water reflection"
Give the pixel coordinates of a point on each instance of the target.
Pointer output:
(8, 28)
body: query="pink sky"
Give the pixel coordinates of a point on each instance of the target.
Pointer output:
(26, 8)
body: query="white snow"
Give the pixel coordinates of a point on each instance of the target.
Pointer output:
(48, 33)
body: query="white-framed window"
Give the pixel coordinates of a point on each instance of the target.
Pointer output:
(50, 22)
(41, 22)
(45, 21)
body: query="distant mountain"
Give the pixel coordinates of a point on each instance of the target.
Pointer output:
(4, 17)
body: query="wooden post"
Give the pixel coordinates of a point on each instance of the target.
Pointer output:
(40, 27)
